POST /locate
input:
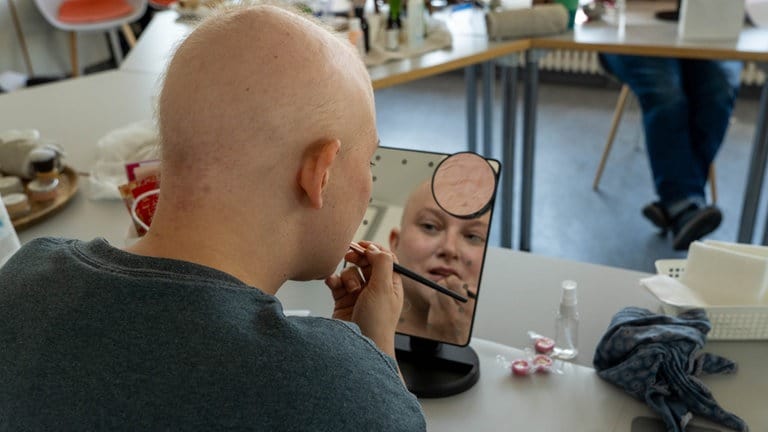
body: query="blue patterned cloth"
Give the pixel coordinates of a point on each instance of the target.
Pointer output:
(657, 358)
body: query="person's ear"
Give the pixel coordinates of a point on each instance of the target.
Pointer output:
(394, 239)
(315, 170)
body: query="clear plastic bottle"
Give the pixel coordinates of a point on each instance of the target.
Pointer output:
(9, 241)
(567, 323)
(356, 35)
(415, 23)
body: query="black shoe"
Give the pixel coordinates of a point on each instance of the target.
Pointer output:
(694, 223)
(658, 216)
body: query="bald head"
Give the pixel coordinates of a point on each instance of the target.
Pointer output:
(420, 197)
(252, 87)
(267, 126)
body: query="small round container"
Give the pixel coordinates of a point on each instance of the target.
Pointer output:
(520, 367)
(542, 364)
(17, 205)
(10, 185)
(544, 345)
(40, 191)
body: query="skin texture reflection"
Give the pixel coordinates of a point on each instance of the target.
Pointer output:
(446, 250)
(464, 184)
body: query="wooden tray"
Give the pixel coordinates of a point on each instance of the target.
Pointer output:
(67, 189)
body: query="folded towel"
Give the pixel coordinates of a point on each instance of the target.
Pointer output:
(656, 358)
(536, 21)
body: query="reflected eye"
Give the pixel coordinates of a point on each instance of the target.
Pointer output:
(428, 227)
(373, 164)
(475, 239)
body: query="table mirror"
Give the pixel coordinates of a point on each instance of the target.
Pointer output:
(434, 211)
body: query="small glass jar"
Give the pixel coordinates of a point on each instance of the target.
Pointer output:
(45, 186)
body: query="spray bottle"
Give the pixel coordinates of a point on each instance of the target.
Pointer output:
(567, 323)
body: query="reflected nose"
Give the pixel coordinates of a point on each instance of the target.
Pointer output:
(449, 246)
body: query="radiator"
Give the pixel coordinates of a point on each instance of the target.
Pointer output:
(585, 62)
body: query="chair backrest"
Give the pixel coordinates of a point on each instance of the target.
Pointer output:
(50, 11)
(161, 4)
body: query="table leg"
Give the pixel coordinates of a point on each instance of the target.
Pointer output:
(117, 50)
(470, 80)
(73, 54)
(756, 172)
(20, 36)
(508, 130)
(529, 141)
(487, 108)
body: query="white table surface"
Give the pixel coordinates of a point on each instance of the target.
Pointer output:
(162, 35)
(520, 292)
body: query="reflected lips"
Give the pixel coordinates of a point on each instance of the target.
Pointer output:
(444, 272)
(415, 276)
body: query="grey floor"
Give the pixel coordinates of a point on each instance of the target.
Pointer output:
(570, 220)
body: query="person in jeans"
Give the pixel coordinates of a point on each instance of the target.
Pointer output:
(686, 105)
(267, 126)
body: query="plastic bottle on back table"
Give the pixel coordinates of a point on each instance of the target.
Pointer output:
(567, 323)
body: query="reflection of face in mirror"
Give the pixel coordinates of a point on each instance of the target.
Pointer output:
(447, 250)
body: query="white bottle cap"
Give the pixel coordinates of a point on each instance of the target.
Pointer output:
(569, 293)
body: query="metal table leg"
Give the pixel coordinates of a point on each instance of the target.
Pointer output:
(756, 172)
(470, 80)
(487, 108)
(529, 141)
(508, 122)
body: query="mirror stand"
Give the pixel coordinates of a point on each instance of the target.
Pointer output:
(434, 370)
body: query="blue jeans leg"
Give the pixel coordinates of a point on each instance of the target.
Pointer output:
(711, 88)
(686, 108)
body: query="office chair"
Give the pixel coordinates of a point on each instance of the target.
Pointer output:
(93, 15)
(617, 114)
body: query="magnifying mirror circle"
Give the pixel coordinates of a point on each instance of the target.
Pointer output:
(463, 185)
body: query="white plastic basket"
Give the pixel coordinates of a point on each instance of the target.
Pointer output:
(728, 322)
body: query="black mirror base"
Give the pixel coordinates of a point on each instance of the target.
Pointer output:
(435, 370)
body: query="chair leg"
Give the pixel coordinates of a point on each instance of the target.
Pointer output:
(712, 183)
(617, 113)
(73, 54)
(20, 36)
(130, 37)
(117, 51)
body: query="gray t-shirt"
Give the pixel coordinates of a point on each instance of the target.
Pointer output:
(92, 337)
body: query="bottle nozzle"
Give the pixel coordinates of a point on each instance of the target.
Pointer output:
(569, 293)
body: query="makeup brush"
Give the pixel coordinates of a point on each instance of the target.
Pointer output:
(415, 276)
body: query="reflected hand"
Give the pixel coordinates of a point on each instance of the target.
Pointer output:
(450, 319)
(369, 294)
